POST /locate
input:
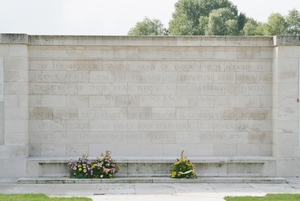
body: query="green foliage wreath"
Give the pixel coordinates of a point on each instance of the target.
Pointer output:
(183, 168)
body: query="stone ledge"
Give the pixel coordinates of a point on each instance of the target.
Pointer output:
(166, 41)
(160, 166)
(14, 38)
(159, 159)
(286, 40)
(65, 180)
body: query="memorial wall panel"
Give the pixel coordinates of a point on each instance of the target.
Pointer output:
(150, 100)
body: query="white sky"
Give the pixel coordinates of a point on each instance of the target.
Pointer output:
(107, 17)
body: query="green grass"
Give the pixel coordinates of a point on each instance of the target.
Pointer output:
(37, 197)
(268, 197)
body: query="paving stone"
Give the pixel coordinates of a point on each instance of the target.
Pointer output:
(74, 189)
(107, 189)
(154, 189)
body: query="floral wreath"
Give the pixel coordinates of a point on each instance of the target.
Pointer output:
(183, 168)
(104, 167)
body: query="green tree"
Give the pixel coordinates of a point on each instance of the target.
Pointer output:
(276, 24)
(262, 29)
(185, 18)
(183, 26)
(250, 28)
(232, 27)
(241, 20)
(293, 22)
(222, 22)
(148, 27)
(203, 24)
(208, 5)
(190, 14)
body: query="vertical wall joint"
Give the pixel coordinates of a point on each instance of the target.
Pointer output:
(1, 103)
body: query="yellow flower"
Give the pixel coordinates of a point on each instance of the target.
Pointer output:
(176, 163)
(80, 169)
(184, 159)
(173, 174)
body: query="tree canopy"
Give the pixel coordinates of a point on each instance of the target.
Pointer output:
(148, 27)
(221, 22)
(217, 17)
(293, 22)
(276, 24)
(192, 17)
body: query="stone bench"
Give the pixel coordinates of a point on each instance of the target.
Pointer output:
(160, 166)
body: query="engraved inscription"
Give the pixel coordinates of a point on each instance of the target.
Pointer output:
(126, 97)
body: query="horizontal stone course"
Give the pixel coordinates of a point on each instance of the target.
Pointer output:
(160, 166)
(236, 180)
(151, 40)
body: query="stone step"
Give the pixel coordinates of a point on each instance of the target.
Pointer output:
(65, 180)
(160, 166)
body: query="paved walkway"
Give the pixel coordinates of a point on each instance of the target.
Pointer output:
(156, 191)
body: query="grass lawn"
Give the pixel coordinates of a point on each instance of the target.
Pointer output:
(268, 197)
(37, 197)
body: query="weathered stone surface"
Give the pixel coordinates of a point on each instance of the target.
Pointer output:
(14, 38)
(151, 97)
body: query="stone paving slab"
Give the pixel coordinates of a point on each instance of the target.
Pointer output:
(76, 190)
(152, 191)
(104, 189)
(276, 188)
(236, 189)
(29, 188)
(67, 180)
(158, 198)
(193, 189)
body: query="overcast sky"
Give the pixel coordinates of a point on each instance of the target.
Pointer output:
(107, 17)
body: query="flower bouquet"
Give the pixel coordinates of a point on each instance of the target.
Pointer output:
(183, 168)
(103, 167)
(81, 168)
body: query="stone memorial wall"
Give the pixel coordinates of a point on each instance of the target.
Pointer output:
(150, 100)
(64, 96)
